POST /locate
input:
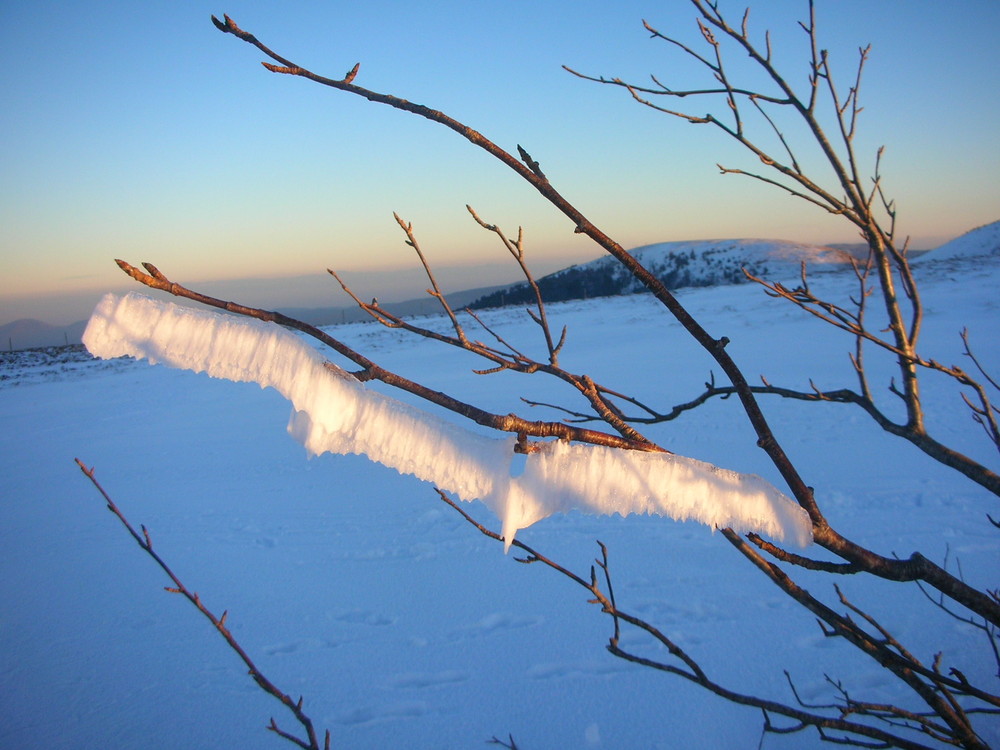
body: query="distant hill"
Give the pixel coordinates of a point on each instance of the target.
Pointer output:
(982, 241)
(678, 265)
(426, 305)
(28, 333)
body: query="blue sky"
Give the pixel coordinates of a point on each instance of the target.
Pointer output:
(137, 130)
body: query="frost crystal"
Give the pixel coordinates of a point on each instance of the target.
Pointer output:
(335, 413)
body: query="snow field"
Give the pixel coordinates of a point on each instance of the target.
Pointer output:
(402, 626)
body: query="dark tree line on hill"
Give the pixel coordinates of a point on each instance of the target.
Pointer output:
(603, 279)
(573, 283)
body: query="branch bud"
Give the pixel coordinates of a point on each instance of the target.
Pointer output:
(531, 163)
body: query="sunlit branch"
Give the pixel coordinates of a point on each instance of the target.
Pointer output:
(434, 291)
(513, 359)
(503, 423)
(516, 249)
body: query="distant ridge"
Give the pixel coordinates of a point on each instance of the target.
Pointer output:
(982, 241)
(28, 333)
(677, 264)
(426, 305)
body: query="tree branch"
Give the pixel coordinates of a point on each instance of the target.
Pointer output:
(689, 669)
(502, 423)
(715, 347)
(145, 543)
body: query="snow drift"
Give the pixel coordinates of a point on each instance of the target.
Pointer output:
(981, 242)
(333, 412)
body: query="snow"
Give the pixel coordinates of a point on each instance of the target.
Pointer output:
(335, 413)
(602, 480)
(719, 261)
(743, 250)
(399, 624)
(981, 242)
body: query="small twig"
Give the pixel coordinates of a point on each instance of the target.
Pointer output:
(968, 352)
(219, 623)
(435, 290)
(509, 743)
(516, 249)
(373, 308)
(690, 669)
(803, 562)
(603, 563)
(500, 339)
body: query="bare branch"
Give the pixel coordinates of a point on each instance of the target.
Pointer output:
(516, 249)
(886, 651)
(968, 352)
(947, 720)
(803, 562)
(502, 423)
(509, 743)
(434, 291)
(219, 623)
(687, 667)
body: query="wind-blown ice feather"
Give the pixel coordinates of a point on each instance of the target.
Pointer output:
(336, 413)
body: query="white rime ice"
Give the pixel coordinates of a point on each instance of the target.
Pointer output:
(333, 412)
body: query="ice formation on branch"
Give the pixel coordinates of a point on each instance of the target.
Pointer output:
(334, 412)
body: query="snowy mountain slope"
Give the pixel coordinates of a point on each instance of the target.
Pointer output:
(398, 623)
(982, 242)
(682, 264)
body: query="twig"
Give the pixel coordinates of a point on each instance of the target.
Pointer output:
(516, 249)
(511, 423)
(854, 210)
(219, 623)
(435, 290)
(509, 743)
(689, 669)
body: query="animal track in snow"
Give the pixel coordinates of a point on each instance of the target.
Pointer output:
(364, 617)
(576, 669)
(388, 712)
(498, 621)
(421, 680)
(308, 644)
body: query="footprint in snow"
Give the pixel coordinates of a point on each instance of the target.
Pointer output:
(310, 644)
(419, 681)
(496, 622)
(364, 617)
(389, 712)
(576, 669)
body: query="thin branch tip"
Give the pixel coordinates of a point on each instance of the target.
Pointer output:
(220, 25)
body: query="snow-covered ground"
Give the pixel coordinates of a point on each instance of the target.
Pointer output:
(400, 624)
